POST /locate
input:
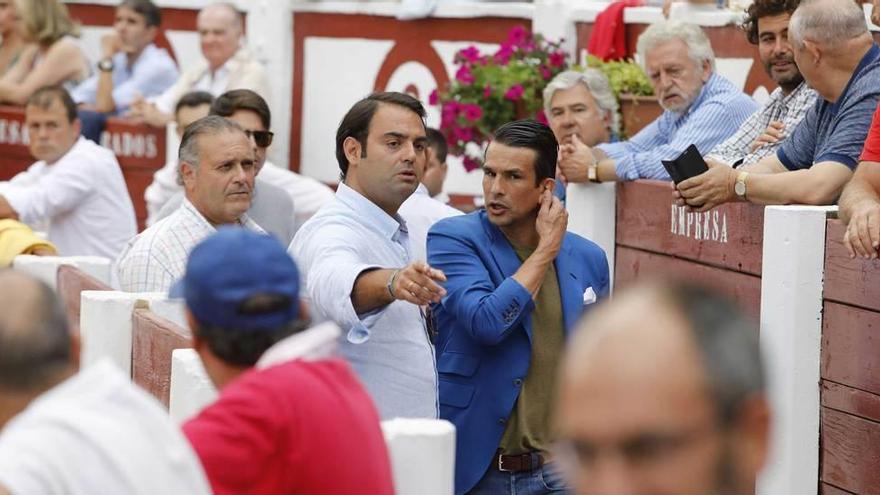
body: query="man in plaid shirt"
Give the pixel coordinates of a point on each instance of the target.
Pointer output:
(766, 25)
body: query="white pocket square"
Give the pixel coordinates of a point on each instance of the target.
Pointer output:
(589, 296)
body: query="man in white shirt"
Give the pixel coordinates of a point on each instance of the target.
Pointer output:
(227, 65)
(217, 166)
(76, 187)
(355, 256)
(77, 433)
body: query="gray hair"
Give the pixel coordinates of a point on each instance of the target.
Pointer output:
(829, 22)
(698, 44)
(189, 143)
(34, 334)
(596, 83)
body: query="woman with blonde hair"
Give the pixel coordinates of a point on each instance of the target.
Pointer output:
(13, 44)
(55, 58)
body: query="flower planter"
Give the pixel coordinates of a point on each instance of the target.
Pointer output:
(637, 112)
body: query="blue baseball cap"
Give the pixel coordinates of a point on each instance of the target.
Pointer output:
(229, 267)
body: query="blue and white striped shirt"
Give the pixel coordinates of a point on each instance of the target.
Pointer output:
(715, 115)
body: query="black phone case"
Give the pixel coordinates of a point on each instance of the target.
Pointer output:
(688, 164)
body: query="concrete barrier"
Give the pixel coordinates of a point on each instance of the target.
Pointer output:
(422, 453)
(191, 388)
(45, 268)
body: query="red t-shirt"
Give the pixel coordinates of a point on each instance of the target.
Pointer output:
(302, 427)
(871, 151)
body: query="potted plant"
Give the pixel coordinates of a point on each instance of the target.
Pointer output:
(633, 90)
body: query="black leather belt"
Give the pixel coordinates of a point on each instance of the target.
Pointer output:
(518, 463)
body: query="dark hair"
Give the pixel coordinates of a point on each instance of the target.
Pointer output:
(193, 99)
(152, 14)
(34, 338)
(764, 8)
(43, 98)
(356, 122)
(728, 343)
(535, 136)
(242, 99)
(244, 348)
(437, 141)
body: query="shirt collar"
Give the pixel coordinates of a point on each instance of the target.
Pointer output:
(369, 212)
(868, 58)
(422, 189)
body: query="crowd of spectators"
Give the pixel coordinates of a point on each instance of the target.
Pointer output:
(497, 320)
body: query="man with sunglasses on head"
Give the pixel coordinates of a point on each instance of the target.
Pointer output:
(272, 207)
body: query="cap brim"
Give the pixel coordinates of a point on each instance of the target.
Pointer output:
(176, 291)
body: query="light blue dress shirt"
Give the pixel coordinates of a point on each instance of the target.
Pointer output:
(152, 73)
(389, 348)
(715, 115)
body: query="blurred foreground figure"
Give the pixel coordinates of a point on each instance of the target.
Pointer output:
(77, 433)
(662, 393)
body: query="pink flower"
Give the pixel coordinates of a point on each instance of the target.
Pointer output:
(433, 98)
(471, 54)
(556, 59)
(515, 92)
(542, 117)
(487, 91)
(545, 72)
(463, 133)
(473, 112)
(502, 56)
(518, 36)
(470, 164)
(448, 113)
(463, 75)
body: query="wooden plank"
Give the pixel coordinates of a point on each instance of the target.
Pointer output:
(632, 264)
(850, 400)
(850, 452)
(730, 236)
(851, 347)
(847, 280)
(153, 340)
(71, 281)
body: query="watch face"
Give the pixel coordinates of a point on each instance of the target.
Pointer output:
(740, 188)
(105, 65)
(591, 173)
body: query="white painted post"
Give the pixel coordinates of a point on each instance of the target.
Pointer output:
(105, 325)
(45, 268)
(422, 453)
(791, 337)
(191, 388)
(592, 213)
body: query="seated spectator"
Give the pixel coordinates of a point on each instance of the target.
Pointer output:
(281, 428)
(227, 65)
(842, 62)
(17, 238)
(190, 108)
(701, 107)
(12, 44)
(77, 433)
(272, 207)
(76, 186)
(131, 65)
(699, 427)
(217, 167)
(420, 211)
(766, 25)
(55, 58)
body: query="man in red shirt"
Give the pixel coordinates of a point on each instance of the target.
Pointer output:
(304, 426)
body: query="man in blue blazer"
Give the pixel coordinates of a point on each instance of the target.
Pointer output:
(516, 283)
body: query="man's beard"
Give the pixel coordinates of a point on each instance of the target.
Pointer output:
(788, 82)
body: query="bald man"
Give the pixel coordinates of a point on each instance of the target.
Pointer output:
(60, 429)
(661, 392)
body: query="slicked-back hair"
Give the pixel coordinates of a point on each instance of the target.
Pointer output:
(210, 125)
(152, 14)
(33, 356)
(437, 142)
(242, 99)
(356, 123)
(43, 98)
(531, 134)
(193, 99)
(765, 8)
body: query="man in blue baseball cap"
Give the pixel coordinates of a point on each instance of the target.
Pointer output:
(279, 428)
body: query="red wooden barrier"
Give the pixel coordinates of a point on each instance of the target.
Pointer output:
(153, 340)
(71, 281)
(720, 248)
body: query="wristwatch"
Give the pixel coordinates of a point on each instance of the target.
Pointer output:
(105, 65)
(740, 187)
(593, 171)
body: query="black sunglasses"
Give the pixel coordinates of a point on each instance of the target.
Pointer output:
(262, 138)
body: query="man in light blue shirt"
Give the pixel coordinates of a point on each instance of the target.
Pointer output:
(131, 65)
(356, 259)
(701, 107)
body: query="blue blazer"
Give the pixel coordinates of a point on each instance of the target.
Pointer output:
(484, 328)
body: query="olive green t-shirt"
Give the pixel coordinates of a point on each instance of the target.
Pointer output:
(528, 428)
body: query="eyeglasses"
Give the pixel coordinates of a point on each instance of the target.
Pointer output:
(262, 138)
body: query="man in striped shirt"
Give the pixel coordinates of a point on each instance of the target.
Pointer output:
(701, 107)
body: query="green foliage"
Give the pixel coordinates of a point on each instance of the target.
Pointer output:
(625, 76)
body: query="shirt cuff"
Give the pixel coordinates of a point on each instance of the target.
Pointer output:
(18, 199)
(359, 325)
(785, 160)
